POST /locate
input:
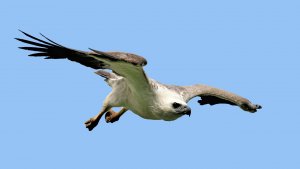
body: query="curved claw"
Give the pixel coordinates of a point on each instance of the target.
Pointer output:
(111, 116)
(258, 106)
(252, 108)
(91, 124)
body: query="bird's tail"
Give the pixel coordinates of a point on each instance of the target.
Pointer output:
(106, 75)
(110, 77)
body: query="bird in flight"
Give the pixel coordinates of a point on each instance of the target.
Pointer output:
(132, 89)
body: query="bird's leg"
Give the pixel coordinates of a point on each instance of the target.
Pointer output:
(112, 116)
(93, 122)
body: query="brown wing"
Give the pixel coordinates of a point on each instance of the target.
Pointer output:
(210, 95)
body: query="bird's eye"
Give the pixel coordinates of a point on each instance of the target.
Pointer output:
(176, 105)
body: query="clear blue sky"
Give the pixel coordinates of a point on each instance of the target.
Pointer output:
(247, 47)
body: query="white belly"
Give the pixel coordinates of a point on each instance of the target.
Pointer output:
(144, 104)
(147, 109)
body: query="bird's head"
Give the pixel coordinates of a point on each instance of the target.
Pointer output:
(174, 109)
(181, 108)
(171, 105)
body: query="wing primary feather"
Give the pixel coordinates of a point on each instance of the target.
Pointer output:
(52, 41)
(32, 43)
(38, 54)
(36, 38)
(34, 49)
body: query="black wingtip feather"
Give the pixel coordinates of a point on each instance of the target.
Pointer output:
(34, 49)
(32, 43)
(52, 41)
(21, 31)
(53, 50)
(38, 54)
(32, 37)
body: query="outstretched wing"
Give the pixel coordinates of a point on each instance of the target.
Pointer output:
(128, 65)
(210, 95)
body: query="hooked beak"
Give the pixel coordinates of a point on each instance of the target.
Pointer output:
(187, 110)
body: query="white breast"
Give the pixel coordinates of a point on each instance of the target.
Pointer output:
(149, 105)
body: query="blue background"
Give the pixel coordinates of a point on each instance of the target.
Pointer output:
(247, 47)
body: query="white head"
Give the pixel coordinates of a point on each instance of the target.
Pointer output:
(170, 105)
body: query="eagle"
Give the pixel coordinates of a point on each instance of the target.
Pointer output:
(132, 89)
